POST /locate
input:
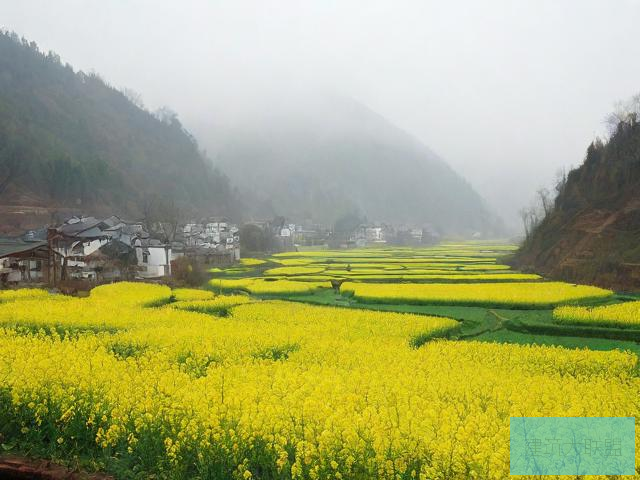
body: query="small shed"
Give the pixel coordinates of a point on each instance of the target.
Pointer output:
(22, 261)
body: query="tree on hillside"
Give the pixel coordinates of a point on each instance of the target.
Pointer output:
(134, 97)
(85, 142)
(12, 166)
(166, 115)
(530, 220)
(539, 209)
(627, 112)
(560, 182)
(545, 200)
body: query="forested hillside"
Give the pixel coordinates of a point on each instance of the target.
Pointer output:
(70, 140)
(592, 235)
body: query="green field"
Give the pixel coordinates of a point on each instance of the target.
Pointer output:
(453, 264)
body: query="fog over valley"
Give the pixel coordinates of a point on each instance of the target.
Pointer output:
(506, 93)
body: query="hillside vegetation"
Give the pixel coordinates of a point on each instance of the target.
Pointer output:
(69, 139)
(591, 235)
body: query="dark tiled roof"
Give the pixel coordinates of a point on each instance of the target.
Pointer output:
(150, 242)
(112, 221)
(85, 223)
(10, 247)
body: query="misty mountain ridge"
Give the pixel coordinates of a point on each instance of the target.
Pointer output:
(316, 157)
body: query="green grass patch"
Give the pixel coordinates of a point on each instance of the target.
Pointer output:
(508, 336)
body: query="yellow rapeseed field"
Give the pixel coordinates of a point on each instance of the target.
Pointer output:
(431, 275)
(622, 315)
(252, 262)
(22, 294)
(447, 263)
(292, 261)
(215, 305)
(261, 286)
(185, 294)
(281, 390)
(536, 295)
(302, 270)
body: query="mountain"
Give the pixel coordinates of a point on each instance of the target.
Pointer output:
(317, 158)
(592, 234)
(69, 141)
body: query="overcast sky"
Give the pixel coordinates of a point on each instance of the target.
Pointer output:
(506, 91)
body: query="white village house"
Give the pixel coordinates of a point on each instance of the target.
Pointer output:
(154, 257)
(87, 245)
(213, 242)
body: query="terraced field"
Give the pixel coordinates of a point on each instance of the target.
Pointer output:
(331, 374)
(466, 281)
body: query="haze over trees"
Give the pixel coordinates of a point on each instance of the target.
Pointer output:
(321, 156)
(71, 139)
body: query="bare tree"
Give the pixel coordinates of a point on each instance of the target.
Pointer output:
(161, 216)
(170, 215)
(166, 115)
(134, 97)
(541, 206)
(148, 204)
(524, 216)
(624, 112)
(531, 218)
(615, 118)
(561, 181)
(546, 200)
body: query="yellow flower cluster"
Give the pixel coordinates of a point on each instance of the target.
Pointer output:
(288, 262)
(534, 295)
(388, 273)
(259, 286)
(409, 267)
(215, 305)
(622, 315)
(189, 294)
(494, 266)
(108, 308)
(294, 270)
(285, 390)
(22, 294)
(308, 278)
(337, 257)
(432, 277)
(134, 294)
(252, 262)
(439, 276)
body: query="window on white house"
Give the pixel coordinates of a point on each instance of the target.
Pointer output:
(145, 257)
